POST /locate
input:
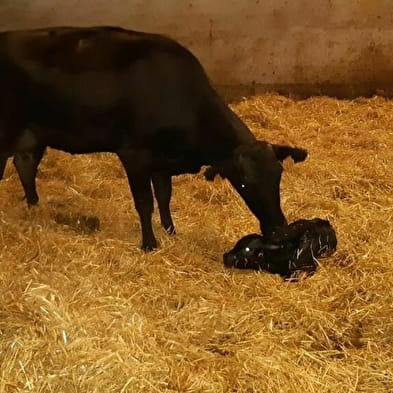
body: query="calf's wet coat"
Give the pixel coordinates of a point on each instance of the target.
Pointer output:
(288, 252)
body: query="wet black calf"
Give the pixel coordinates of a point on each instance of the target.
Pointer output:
(289, 251)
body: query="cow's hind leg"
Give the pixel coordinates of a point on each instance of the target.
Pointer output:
(3, 163)
(139, 179)
(162, 183)
(26, 164)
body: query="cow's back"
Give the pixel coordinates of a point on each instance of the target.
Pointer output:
(88, 49)
(94, 85)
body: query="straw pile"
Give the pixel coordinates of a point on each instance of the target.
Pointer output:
(83, 310)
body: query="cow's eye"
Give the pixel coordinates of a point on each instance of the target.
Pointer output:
(247, 249)
(243, 186)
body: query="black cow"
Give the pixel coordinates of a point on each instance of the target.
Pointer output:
(142, 96)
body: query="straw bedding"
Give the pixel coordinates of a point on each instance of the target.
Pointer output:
(84, 310)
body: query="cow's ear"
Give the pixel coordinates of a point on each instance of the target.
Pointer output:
(223, 170)
(284, 151)
(298, 154)
(211, 172)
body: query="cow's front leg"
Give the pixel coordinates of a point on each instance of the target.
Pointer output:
(162, 183)
(139, 180)
(26, 164)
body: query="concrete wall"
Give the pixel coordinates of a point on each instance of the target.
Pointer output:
(298, 43)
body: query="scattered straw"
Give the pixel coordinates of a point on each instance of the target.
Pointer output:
(87, 311)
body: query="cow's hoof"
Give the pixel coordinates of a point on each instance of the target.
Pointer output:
(31, 201)
(170, 230)
(150, 246)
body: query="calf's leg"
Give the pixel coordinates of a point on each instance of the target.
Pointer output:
(26, 164)
(162, 183)
(139, 180)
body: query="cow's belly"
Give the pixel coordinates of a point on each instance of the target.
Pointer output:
(74, 141)
(188, 161)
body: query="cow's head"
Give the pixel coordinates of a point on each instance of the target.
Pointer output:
(255, 172)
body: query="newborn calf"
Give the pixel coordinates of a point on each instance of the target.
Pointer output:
(291, 250)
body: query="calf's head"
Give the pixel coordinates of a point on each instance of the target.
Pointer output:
(248, 253)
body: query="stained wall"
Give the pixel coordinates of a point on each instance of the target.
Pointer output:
(298, 44)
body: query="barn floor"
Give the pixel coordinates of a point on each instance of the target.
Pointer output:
(89, 312)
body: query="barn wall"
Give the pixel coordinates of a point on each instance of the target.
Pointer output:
(281, 43)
